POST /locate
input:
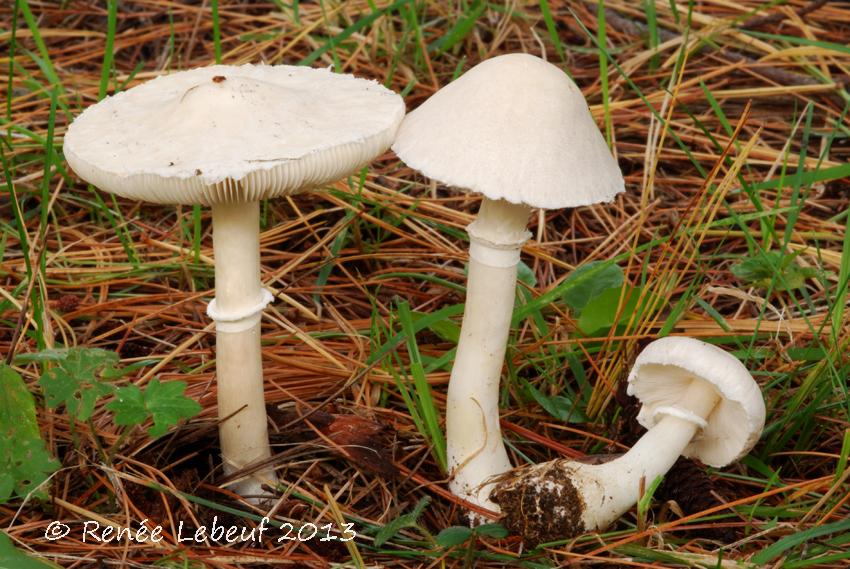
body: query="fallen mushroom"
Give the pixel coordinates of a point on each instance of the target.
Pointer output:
(698, 401)
(517, 130)
(228, 137)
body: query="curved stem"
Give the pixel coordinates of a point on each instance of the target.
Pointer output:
(243, 430)
(564, 498)
(474, 440)
(618, 482)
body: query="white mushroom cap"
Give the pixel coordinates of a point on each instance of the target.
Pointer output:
(664, 370)
(232, 133)
(514, 128)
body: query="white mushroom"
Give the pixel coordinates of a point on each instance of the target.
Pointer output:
(228, 137)
(698, 401)
(517, 130)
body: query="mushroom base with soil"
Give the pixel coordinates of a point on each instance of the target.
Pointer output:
(709, 401)
(565, 498)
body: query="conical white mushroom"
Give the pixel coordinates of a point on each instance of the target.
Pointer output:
(517, 130)
(228, 137)
(698, 401)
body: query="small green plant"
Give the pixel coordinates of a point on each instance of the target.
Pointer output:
(10, 556)
(774, 267)
(593, 292)
(449, 537)
(589, 281)
(79, 378)
(458, 535)
(25, 462)
(408, 520)
(561, 407)
(164, 403)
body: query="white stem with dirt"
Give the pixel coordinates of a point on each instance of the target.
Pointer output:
(563, 498)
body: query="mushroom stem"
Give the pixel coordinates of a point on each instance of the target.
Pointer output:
(474, 440)
(652, 456)
(564, 498)
(237, 308)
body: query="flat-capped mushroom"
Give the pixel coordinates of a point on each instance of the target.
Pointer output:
(517, 130)
(228, 137)
(697, 401)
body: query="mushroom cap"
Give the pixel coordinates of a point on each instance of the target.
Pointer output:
(662, 373)
(226, 133)
(516, 128)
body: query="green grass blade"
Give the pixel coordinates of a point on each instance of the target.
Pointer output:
(116, 221)
(602, 38)
(797, 184)
(12, 44)
(216, 31)
(552, 29)
(808, 177)
(350, 30)
(108, 51)
(843, 283)
(48, 161)
(652, 26)
(196, 233)
(332, 41)
(139, 66)
(794, 40)
(459, 30)
(39, 298)
(798, 538)
(842, 457)
(425, 401)
(49, 69)
(336, 246)
(412, 27)
(23, 237)
(420, 324)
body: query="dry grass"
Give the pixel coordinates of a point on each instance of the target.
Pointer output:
(746, 94)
